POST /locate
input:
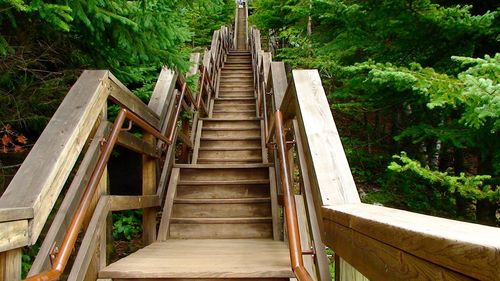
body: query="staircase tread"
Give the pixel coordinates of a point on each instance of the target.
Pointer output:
(222, 200)
(234, 99)
(222, 182)
(235, 111)
(231, 119)
(224, 138)
(230, 148)
(242, 220)
(224, 166)
(230, 129)
(207, 258)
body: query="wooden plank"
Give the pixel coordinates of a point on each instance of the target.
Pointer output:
(149, 188)
(75, 191)
(196, 149)
(168, 205)
(138, 145)
(275, 207)
(161, 97)
(379, 261)
(279, 81)
(15, 213)
(61, 142)
(124, 97)
(470, 249)
(329, 169)
(185, 139)
(332, 182)
(320, 257)
(90, 240)
(305, 236)
(266, 59)
(10, 265)
(124, 202)
(194, 60)
(13, 234)
(204, 259)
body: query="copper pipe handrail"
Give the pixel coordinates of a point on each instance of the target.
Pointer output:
(292, 224)
(68, 243)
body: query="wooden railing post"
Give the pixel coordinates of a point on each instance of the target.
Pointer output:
(10, 265)
(149, 188)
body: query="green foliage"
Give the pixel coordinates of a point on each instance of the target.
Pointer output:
(415, 75)
(127, 224)
(469, 187)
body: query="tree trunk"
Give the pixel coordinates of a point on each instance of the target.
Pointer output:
(462, 204)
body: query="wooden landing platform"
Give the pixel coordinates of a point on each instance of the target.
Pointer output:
(205, 258)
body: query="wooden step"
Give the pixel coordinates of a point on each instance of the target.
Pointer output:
(232, 114)
(235, 220)
(230, 160)
(221, 208)
(223, 182)
(228, 155)
(226, 190)
(238, 228)
(231, 138)
(234, 105)
(230, 148)
(236, 123)
(232, 119)
(223, 132)
(246, 100)
(214, 260)
(237, 83)
(219, 174)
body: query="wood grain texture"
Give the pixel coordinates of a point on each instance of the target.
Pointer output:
(149, 188)
(124, 97)
(161, 97)
(13, 234)
(279, 81)
(136, 144)
(379, 261)
(322, 262)
(10, 265)
(305, 236)
(218, 258)
(124, 202)
(330, 170)
(38, 182)
(75, 191)
(168, 205)
(266, 59)
(90, 241)
(470, 249)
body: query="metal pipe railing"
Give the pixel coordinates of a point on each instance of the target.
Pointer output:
(292, 224)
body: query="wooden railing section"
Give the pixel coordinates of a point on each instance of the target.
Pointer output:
(77, 142)
(370, 242)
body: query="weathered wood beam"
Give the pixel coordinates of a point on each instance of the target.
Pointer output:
(73, 196)
(56, 151)
(124, 97)
(138, 145)
(125, 202)
(90, 240)
(470, 249)
(379, 261)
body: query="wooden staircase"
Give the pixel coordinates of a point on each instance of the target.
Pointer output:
(218, 216)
